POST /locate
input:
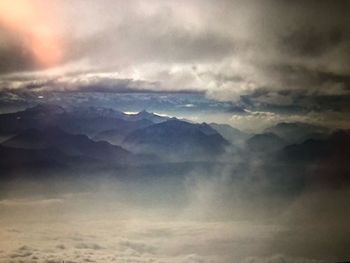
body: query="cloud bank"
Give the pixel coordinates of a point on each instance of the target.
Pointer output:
(276, 55)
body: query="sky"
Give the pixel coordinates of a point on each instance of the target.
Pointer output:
(272, 60)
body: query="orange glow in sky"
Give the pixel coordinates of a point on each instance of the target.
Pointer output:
(34, 21)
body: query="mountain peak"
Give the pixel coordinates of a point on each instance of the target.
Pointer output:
(144, 113)
(177, 140)
(46, 109)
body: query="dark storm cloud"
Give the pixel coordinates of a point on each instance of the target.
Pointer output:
(312, 28)
(155, 41)
(304, 78)
(310, 43)
(14, 56)
(236, 109)
(103, 84)
(305, 89)
(301, 48)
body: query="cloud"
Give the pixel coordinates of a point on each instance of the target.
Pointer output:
(246, 211)
(36, 34)
(13, 55)
(281, 259)
(138, 247)
(22, 252)
(193, 258)
(30, 202)
(278, 55)
(311, 43)
(92, 246)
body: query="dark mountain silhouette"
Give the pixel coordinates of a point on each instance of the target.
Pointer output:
(145, 115)
(324, 161)
(336, 146)
(91, 120)
(32, 162)
(265, 143)
(83, 120)
(38, 117)
(14, 157)
(116, 136)
(298, 132)
(205, 128)
(177, 139)
(73, 145)
(233, 135)
(94, 112)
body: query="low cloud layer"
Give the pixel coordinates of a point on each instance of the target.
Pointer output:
(246, 211)
(93, 236)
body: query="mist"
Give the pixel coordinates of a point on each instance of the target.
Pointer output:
(240, 210)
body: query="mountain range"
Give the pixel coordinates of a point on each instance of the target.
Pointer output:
(60, 137)
(50, 136)
(178, 140)
(298, 132)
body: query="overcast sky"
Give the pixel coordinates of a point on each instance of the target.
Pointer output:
(264, 56)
